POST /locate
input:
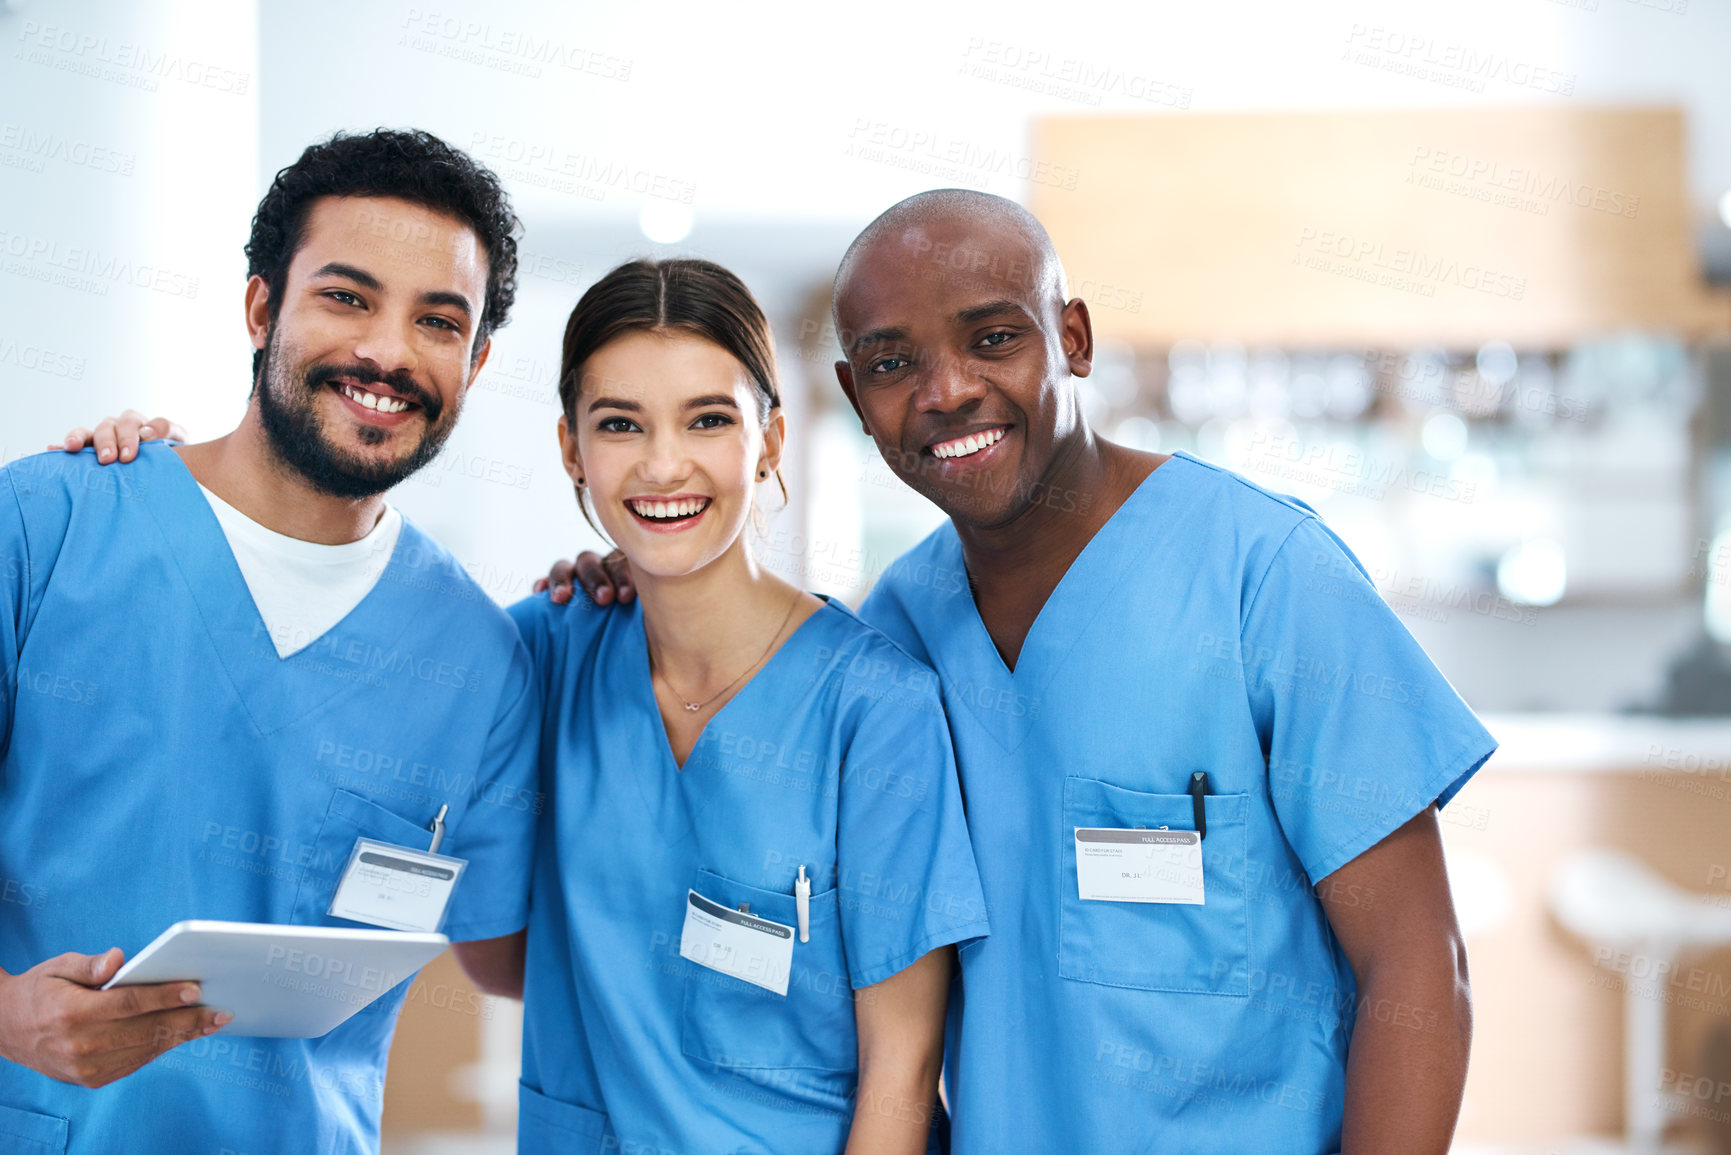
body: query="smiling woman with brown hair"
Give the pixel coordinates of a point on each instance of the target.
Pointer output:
(753, 863)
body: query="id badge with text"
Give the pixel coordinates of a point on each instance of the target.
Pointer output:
(749, 948)
(1139, 865)
(396, 887)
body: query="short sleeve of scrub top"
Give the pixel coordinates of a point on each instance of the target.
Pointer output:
(503, 834)
(902, 839)
(533, 627)
(14, 598)
(1361, 731)
(32, 532)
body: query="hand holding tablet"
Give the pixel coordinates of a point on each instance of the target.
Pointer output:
(58, 1019)
(281, 981)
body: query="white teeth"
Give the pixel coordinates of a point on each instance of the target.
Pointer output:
(668, 510)
(968, 445)
(374, 400)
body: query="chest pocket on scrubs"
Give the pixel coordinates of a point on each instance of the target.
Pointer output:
(28, 1133)
(1158, 946)
(349, 817)
(735, 1024)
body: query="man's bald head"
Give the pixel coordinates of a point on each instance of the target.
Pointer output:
(988, 237)
(961, 352)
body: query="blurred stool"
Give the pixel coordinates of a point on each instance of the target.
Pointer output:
(1615, 901)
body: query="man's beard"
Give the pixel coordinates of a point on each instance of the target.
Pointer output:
(296, 430)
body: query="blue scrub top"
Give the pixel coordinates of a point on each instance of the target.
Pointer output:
(159, 761)
(1209, 625)
(834, 756)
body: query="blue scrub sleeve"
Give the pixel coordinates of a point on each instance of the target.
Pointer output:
(906, 874)
(497, 834)
(555, 634)
(35, 510)
(14, 596)
(532, 615)
(1360, 730)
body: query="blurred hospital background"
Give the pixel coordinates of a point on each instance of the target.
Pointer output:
(1454, 274)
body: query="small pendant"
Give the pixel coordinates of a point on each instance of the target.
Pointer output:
(693, 707)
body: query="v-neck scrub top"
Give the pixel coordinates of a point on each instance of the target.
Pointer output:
(835, 756)
(1209, 625)
(159, 761)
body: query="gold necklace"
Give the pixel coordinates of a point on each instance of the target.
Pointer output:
(694, 707)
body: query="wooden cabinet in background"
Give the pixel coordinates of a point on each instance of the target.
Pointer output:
(1540, 226)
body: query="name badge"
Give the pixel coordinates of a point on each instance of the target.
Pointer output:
(396, 887)
(1139, 866)
(742, 945)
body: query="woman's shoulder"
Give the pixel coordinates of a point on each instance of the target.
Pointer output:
(552, 631)
(866, 665)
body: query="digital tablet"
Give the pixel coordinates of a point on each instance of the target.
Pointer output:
(284, 982)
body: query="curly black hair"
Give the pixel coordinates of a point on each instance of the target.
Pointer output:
(409, 164)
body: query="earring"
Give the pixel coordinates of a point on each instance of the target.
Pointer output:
(579, 481)
(762, 473)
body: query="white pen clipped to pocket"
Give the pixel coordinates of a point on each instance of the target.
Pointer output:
(802, 904)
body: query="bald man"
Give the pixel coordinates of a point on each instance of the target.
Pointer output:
(1202, 760)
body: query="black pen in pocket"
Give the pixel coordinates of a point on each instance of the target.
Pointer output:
(1198, 791)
